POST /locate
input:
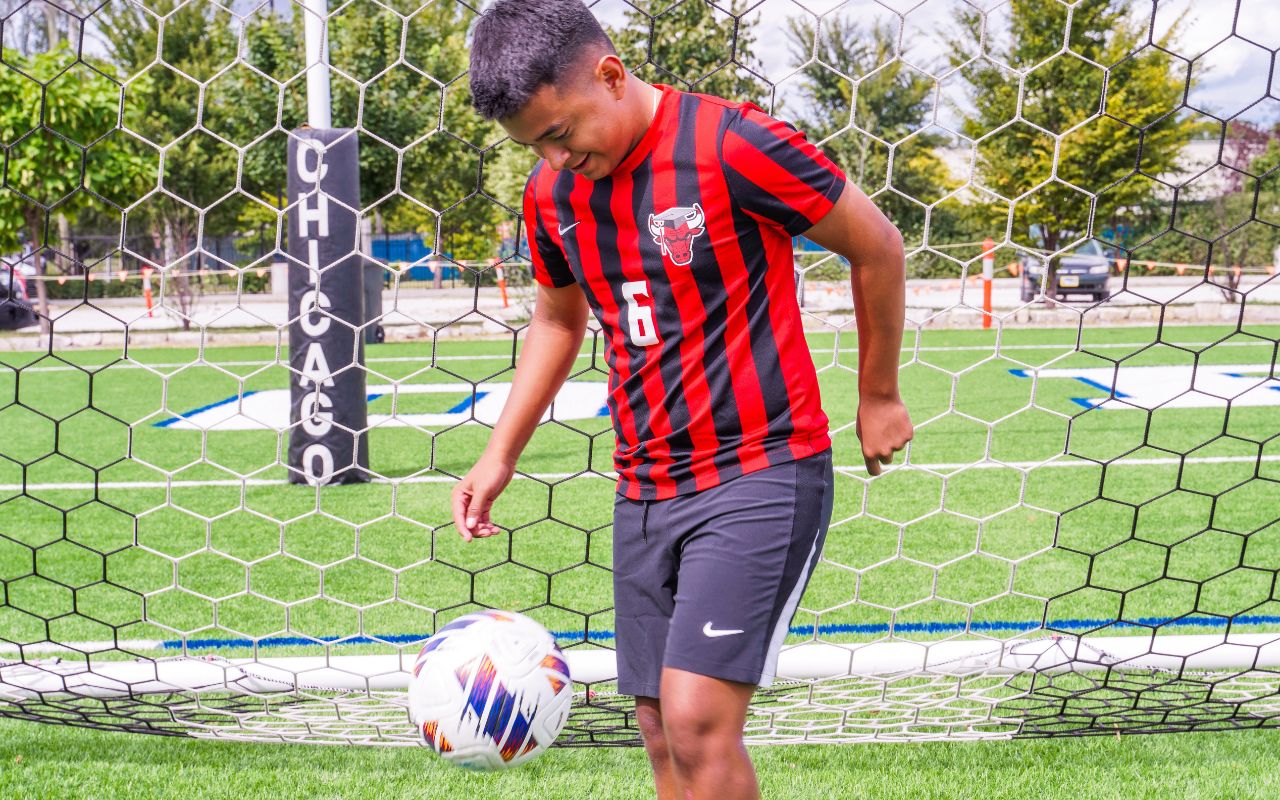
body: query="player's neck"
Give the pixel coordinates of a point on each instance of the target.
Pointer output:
(642, 109)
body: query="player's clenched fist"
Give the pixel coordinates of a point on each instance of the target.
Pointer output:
(884, 427)
(474, 496)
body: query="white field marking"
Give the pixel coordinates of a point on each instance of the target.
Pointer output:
(132, 645)
(1171, 386)
(268, 409)
(1069, 347)
(549, 477)
(1146, 387)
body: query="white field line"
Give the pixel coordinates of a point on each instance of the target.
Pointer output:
(131, 645)
(1068, 348)
(805, 661)
(560, 476)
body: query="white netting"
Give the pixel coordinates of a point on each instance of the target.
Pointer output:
(1084, 536)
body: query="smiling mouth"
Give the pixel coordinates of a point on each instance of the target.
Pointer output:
(579, 165)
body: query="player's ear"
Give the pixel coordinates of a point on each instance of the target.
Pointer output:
(611, 74)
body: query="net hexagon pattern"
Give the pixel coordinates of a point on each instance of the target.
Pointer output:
(1083, 538)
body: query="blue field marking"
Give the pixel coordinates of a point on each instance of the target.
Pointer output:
(1086, 402)
(1102, 387)
(460, 408)
(182, 417)
(1262, 375)
(465, 405)
(872, 629)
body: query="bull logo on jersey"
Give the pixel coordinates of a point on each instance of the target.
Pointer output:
(674, 231)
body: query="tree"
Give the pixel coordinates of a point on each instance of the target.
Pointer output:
(1232, 224)
(1229, 219)
(694, 45)
(1267, 167)
(1078, 152)
(190, 170)
(56, 125)
(399, 74)
(860, 122)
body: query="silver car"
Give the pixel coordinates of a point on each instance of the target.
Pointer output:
(1084, 270)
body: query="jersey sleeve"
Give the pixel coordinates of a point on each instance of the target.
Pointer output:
(774, 173)
(550, 267)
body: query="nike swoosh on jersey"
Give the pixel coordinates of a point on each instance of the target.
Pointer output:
(707, 630)
(568, 228)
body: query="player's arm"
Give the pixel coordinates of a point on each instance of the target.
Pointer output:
(551, 344)
(776, 174)
(857, 230)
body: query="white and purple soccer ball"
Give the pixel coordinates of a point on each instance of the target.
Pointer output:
(490, 690)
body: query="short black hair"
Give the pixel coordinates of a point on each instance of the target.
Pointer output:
(519, 46)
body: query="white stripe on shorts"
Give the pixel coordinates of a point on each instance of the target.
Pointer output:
(784, 621)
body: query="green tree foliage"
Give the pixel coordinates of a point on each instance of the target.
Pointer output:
(1074, 156)
(420, 143)
(188, 187)
(884, 109)
(57, 117)
(421, 107)
(694, 45)
(167, 116)
(1258, 242)
(1225, 217)
(205, 120)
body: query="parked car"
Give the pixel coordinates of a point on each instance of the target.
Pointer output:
(1084, 270)
(15, 304)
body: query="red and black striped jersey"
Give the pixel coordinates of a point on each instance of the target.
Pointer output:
(684, 254)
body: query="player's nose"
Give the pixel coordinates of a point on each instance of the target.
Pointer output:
(558, 157)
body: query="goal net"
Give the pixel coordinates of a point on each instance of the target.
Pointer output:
(1083, 538)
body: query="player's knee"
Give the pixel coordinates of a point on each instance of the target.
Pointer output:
(695, 732)
(649, 721)
(692, 753)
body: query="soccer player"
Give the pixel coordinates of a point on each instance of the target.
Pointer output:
(670, 216)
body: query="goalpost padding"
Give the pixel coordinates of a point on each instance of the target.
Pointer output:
(328, 435)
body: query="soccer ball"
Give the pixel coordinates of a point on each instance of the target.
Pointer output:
(490, 690)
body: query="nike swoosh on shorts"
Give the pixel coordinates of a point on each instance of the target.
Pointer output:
(707, 630)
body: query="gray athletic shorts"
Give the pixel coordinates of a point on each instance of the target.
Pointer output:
(708, 582)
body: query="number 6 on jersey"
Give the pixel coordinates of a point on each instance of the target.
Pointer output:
(643, 332)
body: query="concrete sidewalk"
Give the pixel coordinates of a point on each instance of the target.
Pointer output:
(956, 304)
(414, 314)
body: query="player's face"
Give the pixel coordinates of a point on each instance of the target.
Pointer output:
(586, 129)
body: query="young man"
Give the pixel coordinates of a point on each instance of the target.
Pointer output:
(669, 216)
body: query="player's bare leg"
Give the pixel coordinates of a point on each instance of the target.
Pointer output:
(703, 719)
(649, 720)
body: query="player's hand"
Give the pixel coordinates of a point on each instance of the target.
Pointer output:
(884, 428)
(474, 496)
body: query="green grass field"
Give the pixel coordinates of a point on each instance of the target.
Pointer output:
(1101, 521)
(48, 762)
